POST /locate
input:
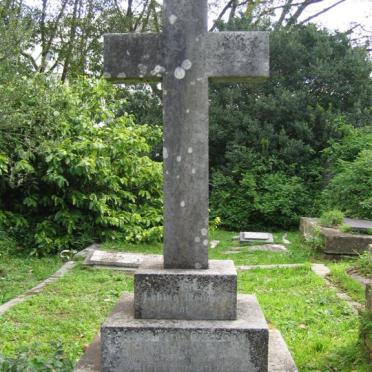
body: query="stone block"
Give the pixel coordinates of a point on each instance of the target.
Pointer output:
(130, 344)
(369, 297)
(185, 294)
(256, 237)
(116, 259)
(336, 242)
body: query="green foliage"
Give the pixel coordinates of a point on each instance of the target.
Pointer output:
(315, 240)
(268, 141)
(332, 218)
(26, 360)
(346, 229)
(364, 264)
(350, 189)
(273, 199)
(74, 171)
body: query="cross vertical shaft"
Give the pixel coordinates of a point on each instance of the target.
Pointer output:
(184, 56)
(185, 100)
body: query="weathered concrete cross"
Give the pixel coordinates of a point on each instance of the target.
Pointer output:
(185, 56)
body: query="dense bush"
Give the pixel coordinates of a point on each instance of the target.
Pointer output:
(255, 200)
(268, 145)
(350, 190)
(72, 171)
(331, 218)
(349, 172)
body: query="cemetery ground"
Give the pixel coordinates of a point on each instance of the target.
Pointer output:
(321, 330)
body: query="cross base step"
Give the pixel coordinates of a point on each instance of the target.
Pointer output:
(241, 347)
(208, 294)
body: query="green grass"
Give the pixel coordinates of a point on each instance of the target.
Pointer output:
(70, 310)
(297, 253)
(340, 278)
(19, 274)
(321, 330)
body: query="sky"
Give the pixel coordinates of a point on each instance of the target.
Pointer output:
(339, 18)
(343, 15)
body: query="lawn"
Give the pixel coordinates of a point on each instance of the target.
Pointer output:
(321, 330)
(19, 274)
(297, 253)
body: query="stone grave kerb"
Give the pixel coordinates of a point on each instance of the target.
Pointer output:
(184, 56)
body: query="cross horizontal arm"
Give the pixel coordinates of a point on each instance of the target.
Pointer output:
(237, 56)
(133, 57)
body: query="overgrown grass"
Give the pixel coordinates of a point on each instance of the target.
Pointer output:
(342, 279)
(70, 310)
(18, 274)
(321, 331)
(297, 252)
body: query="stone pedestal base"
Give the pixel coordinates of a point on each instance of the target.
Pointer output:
(130, 344)
(185, 294)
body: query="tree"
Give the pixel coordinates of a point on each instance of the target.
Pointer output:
(74, 171)
(282, 126)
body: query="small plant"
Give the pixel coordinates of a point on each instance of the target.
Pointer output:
(214, 223)
(345, 229)
(364, 264)
(366, 331)
(67, 254)
(331, 218)
(26, 360)
(315, 240)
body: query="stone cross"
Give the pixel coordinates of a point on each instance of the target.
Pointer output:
(184, 56)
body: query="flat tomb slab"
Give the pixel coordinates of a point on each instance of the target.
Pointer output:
(256, 237)
(118, 259)
(130, 344)
(358, 225)
(205, 294)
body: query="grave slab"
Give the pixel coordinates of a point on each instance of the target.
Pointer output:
(130, 344)
(185, 294)
(336, 242)
(116, 259)
(268, 248)
(256, 237)
(358, 225)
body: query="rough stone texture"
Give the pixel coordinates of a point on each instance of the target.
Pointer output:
(353, 273)
(358, 225)
(256, 237)
(38, 288)
(335, 241)
(185, 56)
(280, 359)
(268, 248)
(369, 297)
(130, 344)
(87, 251)
(185, 294)
(118, 259)
(237, 56)
(133, 57)
(320, 270)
